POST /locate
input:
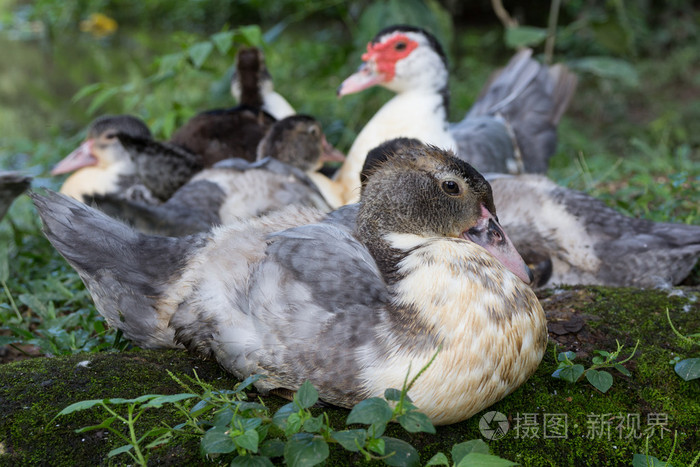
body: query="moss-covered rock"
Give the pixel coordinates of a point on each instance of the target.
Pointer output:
(594, 428)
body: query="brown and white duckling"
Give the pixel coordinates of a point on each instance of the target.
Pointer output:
(353, 311)
(511, 128)
(220, 134)
(101, 165)
(233, 189)
(272, 102)
(12, 184)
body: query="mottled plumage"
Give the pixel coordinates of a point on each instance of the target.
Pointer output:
(295, 296)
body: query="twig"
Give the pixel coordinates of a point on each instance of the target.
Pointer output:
(551, 31)
(503, 15)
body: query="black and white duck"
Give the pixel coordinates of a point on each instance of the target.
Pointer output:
(298, 296)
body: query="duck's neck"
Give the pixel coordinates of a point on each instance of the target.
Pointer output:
(99, 180)
(417, 114)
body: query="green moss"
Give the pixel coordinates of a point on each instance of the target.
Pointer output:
(33, 391)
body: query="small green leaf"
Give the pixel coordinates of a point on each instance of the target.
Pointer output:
(305, 449)
(222, 418)
(86, 91)
(438, 459)
(570, 374)
(5, 340)
(248, 440)
(166, 435)
(376, 445)
(415, 422)
(622, 369)
(217, 441)
(306, 396)
(100, 98)
(598, 360)
(477, 459)
(392, 394)
(314, 424)
(199, 53)
(160, 400)
(351, 439)
(462, 449)
(607, 67)
(246, 383)
(642, 460)
(602, 380)
(400, 452)
(282, 415)
(524, 36)
(370, 411)
(564, 355)
(688, 369)
(272, 448)
(78, 406)
(168, 63)
(223, 41)
(120, 450)
(604, 353)
(252, 35)
(293, 424)
(106, 423)
(251, 461)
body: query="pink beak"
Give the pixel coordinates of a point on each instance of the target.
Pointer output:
(490, 235)
(81, 157)
(365, 77)
(330, 153)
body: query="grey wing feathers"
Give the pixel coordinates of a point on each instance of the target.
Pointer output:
(126, 272)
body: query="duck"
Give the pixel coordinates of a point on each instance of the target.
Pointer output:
(272, 102)
(510, 129)
(101, 165)
(570, 238)
(235, 188)
(426, 272)
(220, 134)
(12, 184)
(588, 242)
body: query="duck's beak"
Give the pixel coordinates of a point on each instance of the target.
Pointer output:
(490, 235)
(81, 157)
(365, 77)
(329, 153)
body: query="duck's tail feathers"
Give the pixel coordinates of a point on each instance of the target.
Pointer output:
(250, 70)
(127, 273)
(530, 98)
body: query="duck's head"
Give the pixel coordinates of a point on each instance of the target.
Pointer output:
(427, 192)
(299, 141)
(400, 58)
(101, 147)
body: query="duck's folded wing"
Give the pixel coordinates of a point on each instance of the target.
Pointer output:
(162, 167)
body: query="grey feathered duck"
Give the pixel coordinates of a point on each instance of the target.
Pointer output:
(12, 184)
(510, 129)
(569, 237)
(235, 188)
(299, 295)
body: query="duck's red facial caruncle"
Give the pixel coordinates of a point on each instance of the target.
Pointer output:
(379, 64)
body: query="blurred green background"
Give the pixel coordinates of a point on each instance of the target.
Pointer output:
(631, 136)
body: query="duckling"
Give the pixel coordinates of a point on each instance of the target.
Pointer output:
(12, 184)
(235, 132)
(511, 128)
(426, 269)
(235, 188)
(101, 165)
(272, 102)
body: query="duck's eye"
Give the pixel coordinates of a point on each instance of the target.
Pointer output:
(110, 135)
(400, 46)
(314, 131)
(450, 187)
